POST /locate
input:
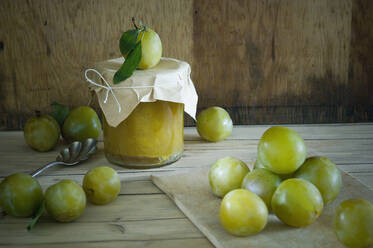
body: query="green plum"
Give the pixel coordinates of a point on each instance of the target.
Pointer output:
(151, 48)
(226, 174)
(243, 213)
(20, 195)
(41, 132)
(214, 124)
(297, 202)
(353, 223)
(81, 123)
(281, 150)
(65, 201)
(101, 185)
(259, 164)
(263, 183)
(324, 174)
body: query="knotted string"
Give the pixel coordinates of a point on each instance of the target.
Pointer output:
(109, 89)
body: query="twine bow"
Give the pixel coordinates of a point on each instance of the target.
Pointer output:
(110, 89)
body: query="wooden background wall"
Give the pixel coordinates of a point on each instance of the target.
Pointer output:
(265, 61)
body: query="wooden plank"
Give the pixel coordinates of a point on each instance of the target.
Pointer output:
(357, 168)
(360, 68)
(142, 185)
(197, 154)
(91, 232)
(124, 208)
(308, 131)
(166, 243)
(128, 187)
(304, 114)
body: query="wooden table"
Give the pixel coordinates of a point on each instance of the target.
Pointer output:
(142, 215)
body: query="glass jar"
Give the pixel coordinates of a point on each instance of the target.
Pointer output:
(151, 136)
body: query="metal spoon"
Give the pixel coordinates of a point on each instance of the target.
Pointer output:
(72, 155)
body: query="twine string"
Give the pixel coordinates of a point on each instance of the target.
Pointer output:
(110, 89)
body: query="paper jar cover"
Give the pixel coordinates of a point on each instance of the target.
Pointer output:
(168, 81)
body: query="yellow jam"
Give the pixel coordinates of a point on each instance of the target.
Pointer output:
(151, 136)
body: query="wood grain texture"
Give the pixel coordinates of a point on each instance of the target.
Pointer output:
(165, 243)
(279, 61)
(103, 231)
(47, 45)
(360, 71)
(196, 154)
(124, 208)
(265, 61)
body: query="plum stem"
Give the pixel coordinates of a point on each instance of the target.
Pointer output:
(141, 28)
(35, 219)
(37, 113)
(134, 23)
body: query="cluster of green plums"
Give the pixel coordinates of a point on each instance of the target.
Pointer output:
(21, 195)
(293, 187)
(42, 132)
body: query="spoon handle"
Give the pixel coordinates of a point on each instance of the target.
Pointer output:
(43, 168)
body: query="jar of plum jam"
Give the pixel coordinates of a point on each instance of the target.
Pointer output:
(151, 136)
(143, 116)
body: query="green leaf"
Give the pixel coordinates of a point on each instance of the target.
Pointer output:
(127, 41)
(129, 65)
(36, 217)
(60, 112)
